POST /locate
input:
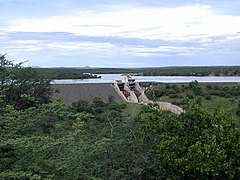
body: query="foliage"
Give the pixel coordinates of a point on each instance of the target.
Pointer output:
(64, 73)
(59, 141)
(196, 144)
(35, 142)
(79, 73)
(76, 73)
(193, 71)
(238, 110)
(44, 139)
(53, 140)
(210, 95)
(119, 153)
(22, 87)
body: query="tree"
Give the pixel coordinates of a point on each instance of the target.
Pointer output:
(22, 87)
(196, 144)
(37, 143)
(238, 109)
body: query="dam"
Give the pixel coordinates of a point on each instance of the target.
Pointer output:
(119, 91)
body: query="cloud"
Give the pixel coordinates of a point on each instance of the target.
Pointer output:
(179, 23)
(63, 43)
(106, 47)
(124, 32)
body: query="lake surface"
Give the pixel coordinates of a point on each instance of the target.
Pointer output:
(110, 78)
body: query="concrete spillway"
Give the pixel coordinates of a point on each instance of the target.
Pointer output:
(142, 98)
(132, 98)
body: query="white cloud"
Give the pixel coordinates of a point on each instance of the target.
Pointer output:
(29, 48)
(26, 42)
(111, 50)
(96, 49)
(63, 48)
(161, 50)
(180, 23)
(70, 48)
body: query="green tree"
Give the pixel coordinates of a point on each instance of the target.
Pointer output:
(58, 141)
(22, 87)
(39, 143)
(196, 144)
(238, 109)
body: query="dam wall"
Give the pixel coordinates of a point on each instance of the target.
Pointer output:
(75, 92)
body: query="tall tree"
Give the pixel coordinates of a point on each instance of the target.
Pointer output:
(196, 144)
(22, 87)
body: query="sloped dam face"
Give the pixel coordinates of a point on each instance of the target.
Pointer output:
(75, 92)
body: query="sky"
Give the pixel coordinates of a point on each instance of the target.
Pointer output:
(121, 33)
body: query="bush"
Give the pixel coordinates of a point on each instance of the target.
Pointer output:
(22, 87)
(190, 96)
(208, 97)
(82, 106)
(173, 96)
(238, 112)
(209, 86)
(197, 91)
(159, 93)
(196, 144)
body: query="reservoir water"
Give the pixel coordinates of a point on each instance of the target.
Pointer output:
(110, 78)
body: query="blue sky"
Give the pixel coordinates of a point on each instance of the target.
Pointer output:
(128, 33)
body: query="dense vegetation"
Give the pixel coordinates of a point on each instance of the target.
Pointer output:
(22, 87)
(210, 96)
(63, 73)
(46, 139)
(194, 71)
(86, 70)
(75, 73)
(195, 145)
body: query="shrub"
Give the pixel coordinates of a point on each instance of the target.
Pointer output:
(196, 144)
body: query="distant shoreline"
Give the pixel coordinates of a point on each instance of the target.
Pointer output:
(197, 71)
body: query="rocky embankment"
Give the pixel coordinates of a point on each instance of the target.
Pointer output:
(170, 107)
